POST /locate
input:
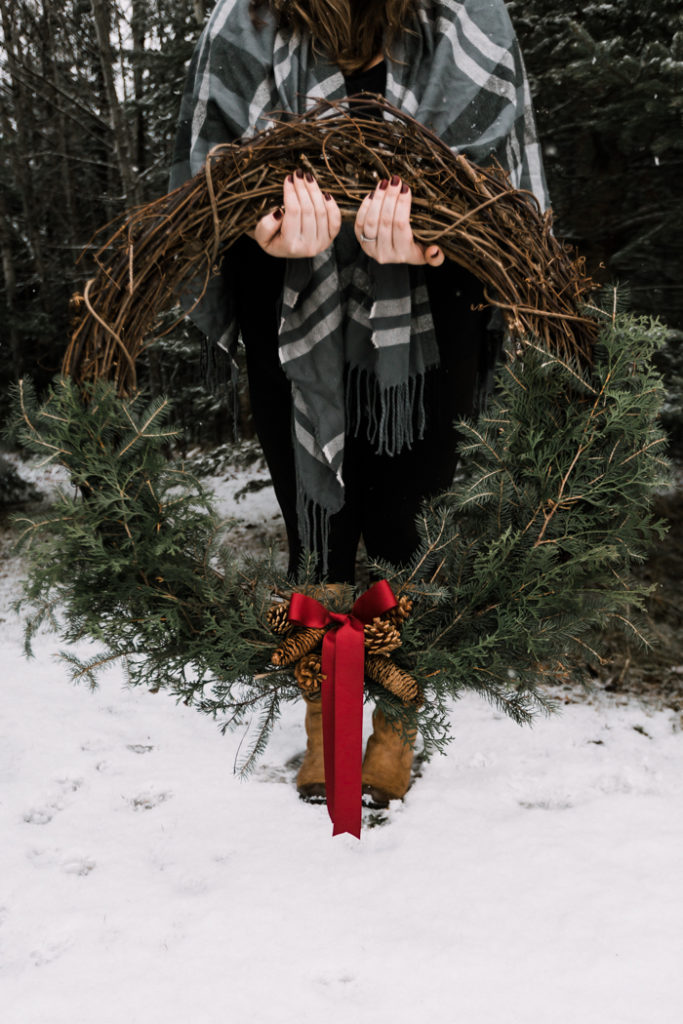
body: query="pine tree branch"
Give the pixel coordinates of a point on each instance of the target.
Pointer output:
(142, 431)
(557, 502)
(35, 434)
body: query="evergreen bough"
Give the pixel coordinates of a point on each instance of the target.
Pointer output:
(521, 564)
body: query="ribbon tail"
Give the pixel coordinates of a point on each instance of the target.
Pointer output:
(327, 698)
(343, 728)
(343, 664)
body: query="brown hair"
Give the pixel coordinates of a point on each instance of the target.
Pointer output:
(349, 32)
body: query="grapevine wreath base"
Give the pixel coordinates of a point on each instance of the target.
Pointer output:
(521, 563)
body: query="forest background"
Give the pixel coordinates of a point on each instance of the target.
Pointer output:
(89, 96)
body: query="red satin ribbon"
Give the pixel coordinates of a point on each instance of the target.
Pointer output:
(343, 661)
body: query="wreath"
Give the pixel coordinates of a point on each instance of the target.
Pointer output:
(521, 563)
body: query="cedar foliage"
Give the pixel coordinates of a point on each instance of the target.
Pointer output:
(520, 563)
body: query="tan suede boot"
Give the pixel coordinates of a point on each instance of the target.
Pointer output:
(387, 762)
(310, 780)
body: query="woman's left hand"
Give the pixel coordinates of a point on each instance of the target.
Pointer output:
(383, 227)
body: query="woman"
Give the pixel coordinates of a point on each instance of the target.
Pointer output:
(362, 346)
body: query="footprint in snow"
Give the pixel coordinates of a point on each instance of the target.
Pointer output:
(50, 952)
(481, 760)
(40, 815)
(70, 864)
(94, 746)
(274, 773)
(44, 857)
(43, 814)
(69, 784)
(146, 801)
(553, 803)
(80, 866)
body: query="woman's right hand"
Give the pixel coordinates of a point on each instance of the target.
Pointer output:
(306, 224)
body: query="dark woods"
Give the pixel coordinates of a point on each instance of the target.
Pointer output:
(89, 95)
(89, 92)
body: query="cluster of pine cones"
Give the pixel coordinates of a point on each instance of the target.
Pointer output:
(300, 648)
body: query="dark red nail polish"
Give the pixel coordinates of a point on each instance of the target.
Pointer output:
(290, 179)
(395, 180)
(404, 189)
(308, 176)
(277, 214)
(299, 173)
(383, 183)
(327, 196)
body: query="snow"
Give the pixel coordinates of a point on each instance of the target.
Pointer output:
(532, 876)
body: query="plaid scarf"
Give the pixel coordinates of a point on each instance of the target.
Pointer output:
(344, 316)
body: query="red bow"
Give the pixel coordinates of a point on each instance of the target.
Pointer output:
(343, 662)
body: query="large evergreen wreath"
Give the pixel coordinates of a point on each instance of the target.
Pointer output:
(520, 566)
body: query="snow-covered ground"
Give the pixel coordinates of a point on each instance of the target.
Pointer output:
(532, 876)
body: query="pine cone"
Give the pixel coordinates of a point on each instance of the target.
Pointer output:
(276, 617)
(381, 637)
(308, 673)
(383, 671)
(401, 612)
(296, 645)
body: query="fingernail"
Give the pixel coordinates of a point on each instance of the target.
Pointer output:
(277, 214)
(308, 176)
(290, 179)
(327, 196)
(299, 173)
(404, 189)
(383, 183)
(395, 180)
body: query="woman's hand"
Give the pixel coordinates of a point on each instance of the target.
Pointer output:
(383, 227)
(306, 224)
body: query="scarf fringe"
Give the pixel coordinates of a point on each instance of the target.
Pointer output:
(393, 418)
(313, 521)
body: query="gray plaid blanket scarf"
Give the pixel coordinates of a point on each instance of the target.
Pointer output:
(345, 317)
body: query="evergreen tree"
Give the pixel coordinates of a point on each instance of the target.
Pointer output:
(87, 124)
(607, 84)
(607, 80)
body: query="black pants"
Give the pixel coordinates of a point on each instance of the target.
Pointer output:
(383, 493)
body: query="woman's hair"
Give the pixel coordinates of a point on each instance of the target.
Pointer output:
(349, 32)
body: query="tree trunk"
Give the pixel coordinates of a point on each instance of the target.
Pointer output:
(139, 28)
(10, 279)
(62, 145)
(101, 13)
(21, 145)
